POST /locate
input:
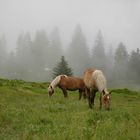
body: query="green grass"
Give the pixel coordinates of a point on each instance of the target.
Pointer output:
(27, 113)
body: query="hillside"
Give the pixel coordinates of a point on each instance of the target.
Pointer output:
(26, 112)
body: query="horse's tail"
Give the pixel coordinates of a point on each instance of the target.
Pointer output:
(56, 81)
(100, 80)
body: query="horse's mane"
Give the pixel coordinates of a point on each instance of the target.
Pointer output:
(100, 79)
(56, 81)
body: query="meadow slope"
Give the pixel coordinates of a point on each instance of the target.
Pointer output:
(27, 113)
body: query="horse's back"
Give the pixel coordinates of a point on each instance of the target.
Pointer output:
(88, 80)
(72, 82)
(95, 79)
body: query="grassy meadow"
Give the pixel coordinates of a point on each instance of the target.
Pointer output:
(27, 113)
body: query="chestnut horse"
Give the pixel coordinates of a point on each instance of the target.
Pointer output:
(65, 83)
(95, 81)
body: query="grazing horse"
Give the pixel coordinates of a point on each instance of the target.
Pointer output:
(65, 83)
(95, 81)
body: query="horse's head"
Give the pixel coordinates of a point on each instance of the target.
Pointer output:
(50, 90)
(106, 99)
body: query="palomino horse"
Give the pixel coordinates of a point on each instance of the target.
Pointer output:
(67, 83)
(95, 81)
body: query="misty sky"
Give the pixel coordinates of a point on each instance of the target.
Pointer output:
(119, 20)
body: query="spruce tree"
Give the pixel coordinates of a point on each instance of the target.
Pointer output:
(62, 68)
(98, 53)
(3, 55)
(121, 62)
(78, 53)
(40, 53)
(134, 66)
(23, 55)
(55, 48)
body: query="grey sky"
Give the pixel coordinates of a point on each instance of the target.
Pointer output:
(119, 20)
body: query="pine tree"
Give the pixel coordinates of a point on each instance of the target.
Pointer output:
(78, 53)
(3, 56)
(109, 62)
(98, 53)
(39, 49)
(23, 56)
(3, 52)
(121, 62)
(55, 48)
(62, 68)
(134, 66)
(11, 70)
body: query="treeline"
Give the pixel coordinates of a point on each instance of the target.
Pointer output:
(35, 58)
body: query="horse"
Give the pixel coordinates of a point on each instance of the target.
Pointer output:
(95, 81)
(65, 83)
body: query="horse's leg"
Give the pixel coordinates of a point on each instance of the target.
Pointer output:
(65, 92)
(80, 94)
(84, 94)
(100, 100)
(93, 94)
(88, 93)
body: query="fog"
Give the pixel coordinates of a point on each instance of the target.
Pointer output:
(118, 20)
(28, 23)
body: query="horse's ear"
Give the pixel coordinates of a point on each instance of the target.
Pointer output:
(103, 92)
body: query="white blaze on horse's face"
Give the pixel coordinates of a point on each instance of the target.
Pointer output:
(50, 90)
(106, 100)
(108, 97)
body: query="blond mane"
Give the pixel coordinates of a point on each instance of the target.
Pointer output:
(56, 81)
(100, 79)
